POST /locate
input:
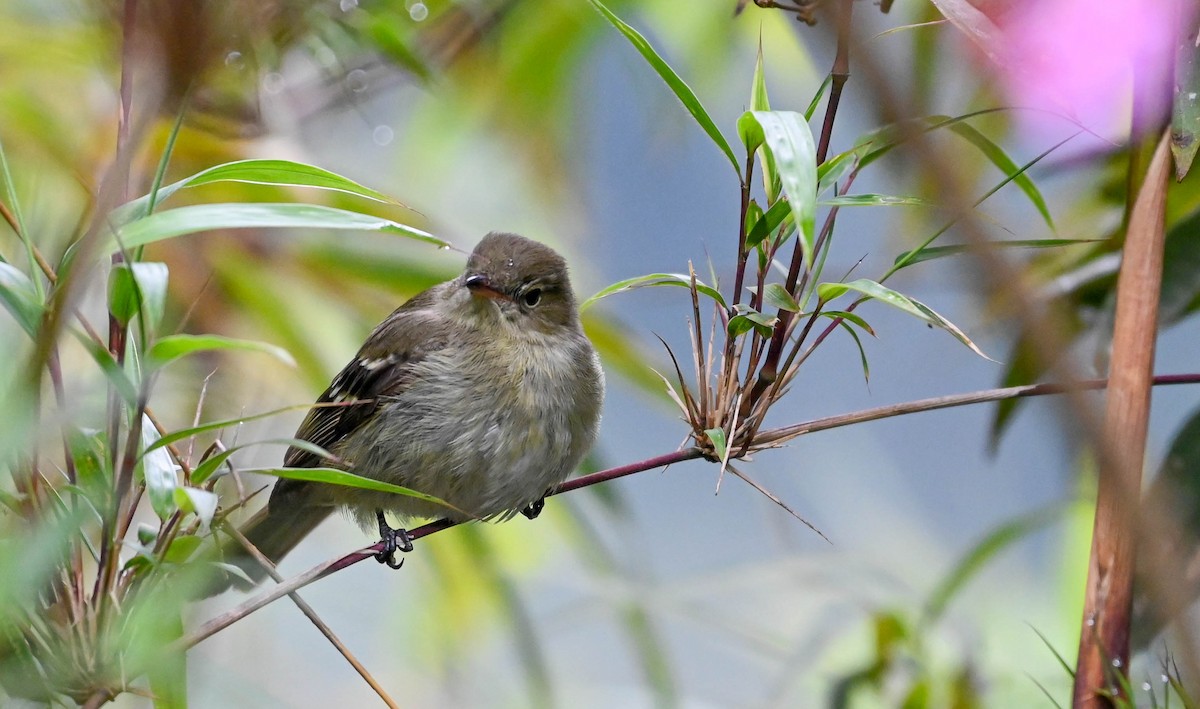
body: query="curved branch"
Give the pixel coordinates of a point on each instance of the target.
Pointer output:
(767, 438)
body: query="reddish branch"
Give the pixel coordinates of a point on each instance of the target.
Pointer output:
(766, 438)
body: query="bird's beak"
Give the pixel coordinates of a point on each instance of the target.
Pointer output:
(481, 287)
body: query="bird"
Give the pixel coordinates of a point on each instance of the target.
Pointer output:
(482, 391)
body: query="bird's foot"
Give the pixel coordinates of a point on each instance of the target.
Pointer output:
(533, 509)
(393, 540)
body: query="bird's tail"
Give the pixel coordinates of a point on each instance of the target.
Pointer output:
(275, 532)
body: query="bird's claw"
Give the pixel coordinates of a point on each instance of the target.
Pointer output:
(533, 509)
(393, 540)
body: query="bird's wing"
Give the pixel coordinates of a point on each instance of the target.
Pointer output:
(382, 367)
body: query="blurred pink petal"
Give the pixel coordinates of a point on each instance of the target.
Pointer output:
(1076, 58)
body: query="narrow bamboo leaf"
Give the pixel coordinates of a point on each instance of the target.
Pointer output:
(682, 91)
(881, 141)
(173, 347)
(816, 99)
(210, 465)
(184, 546)
(19, 296)
(159, 471)
(138, 286)
(754, 215)
(790, 141)
(862, 354)
(650, 280)
(206, 217)
(749, 131)
(872, 289)
(1062, 661)
(849, 317)
(283, 173)
(185, 433)
(832, 170)
(768, 223)
(758, 86)
(875, 200)
(777, 296)
(1185, 109)
(760, 102)
(930, 253)
(334, 476)
(1000, 159)
(717, 437)
(937, 320)
(984, 551)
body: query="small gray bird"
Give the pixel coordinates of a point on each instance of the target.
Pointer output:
(482, 391)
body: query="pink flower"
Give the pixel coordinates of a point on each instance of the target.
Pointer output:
(1077, 58)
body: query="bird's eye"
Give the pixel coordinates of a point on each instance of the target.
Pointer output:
(532, 297)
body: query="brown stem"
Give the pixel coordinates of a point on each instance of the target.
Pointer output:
(1108, 603)
(773, 436)
(838, 76)
(325, 569)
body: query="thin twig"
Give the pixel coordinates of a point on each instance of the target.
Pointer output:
(309, 613)
(765, 439)
(329, 567)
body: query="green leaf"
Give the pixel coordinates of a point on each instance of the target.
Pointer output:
(930, 253)
(1185, 110)
(751, 135)
(768, 223)
(184, 546)
(1000, 159)
(185, 433)
(777, 296)
(816, 99)
(871, 289)
(159, 472)
(788, 138)
(651, 280)
(682, 91)
(283, 173)
(334, 476)
(134, 285)
(832, 170)
(209, 466)
(748, 318)
(862, 354)
(717, 437)
(758, 86)
(875, 200)
(173, 347)
(849, 317)
(881, 142)
(207, 217)
(201, 503)
(984, 551)
(19, 297)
